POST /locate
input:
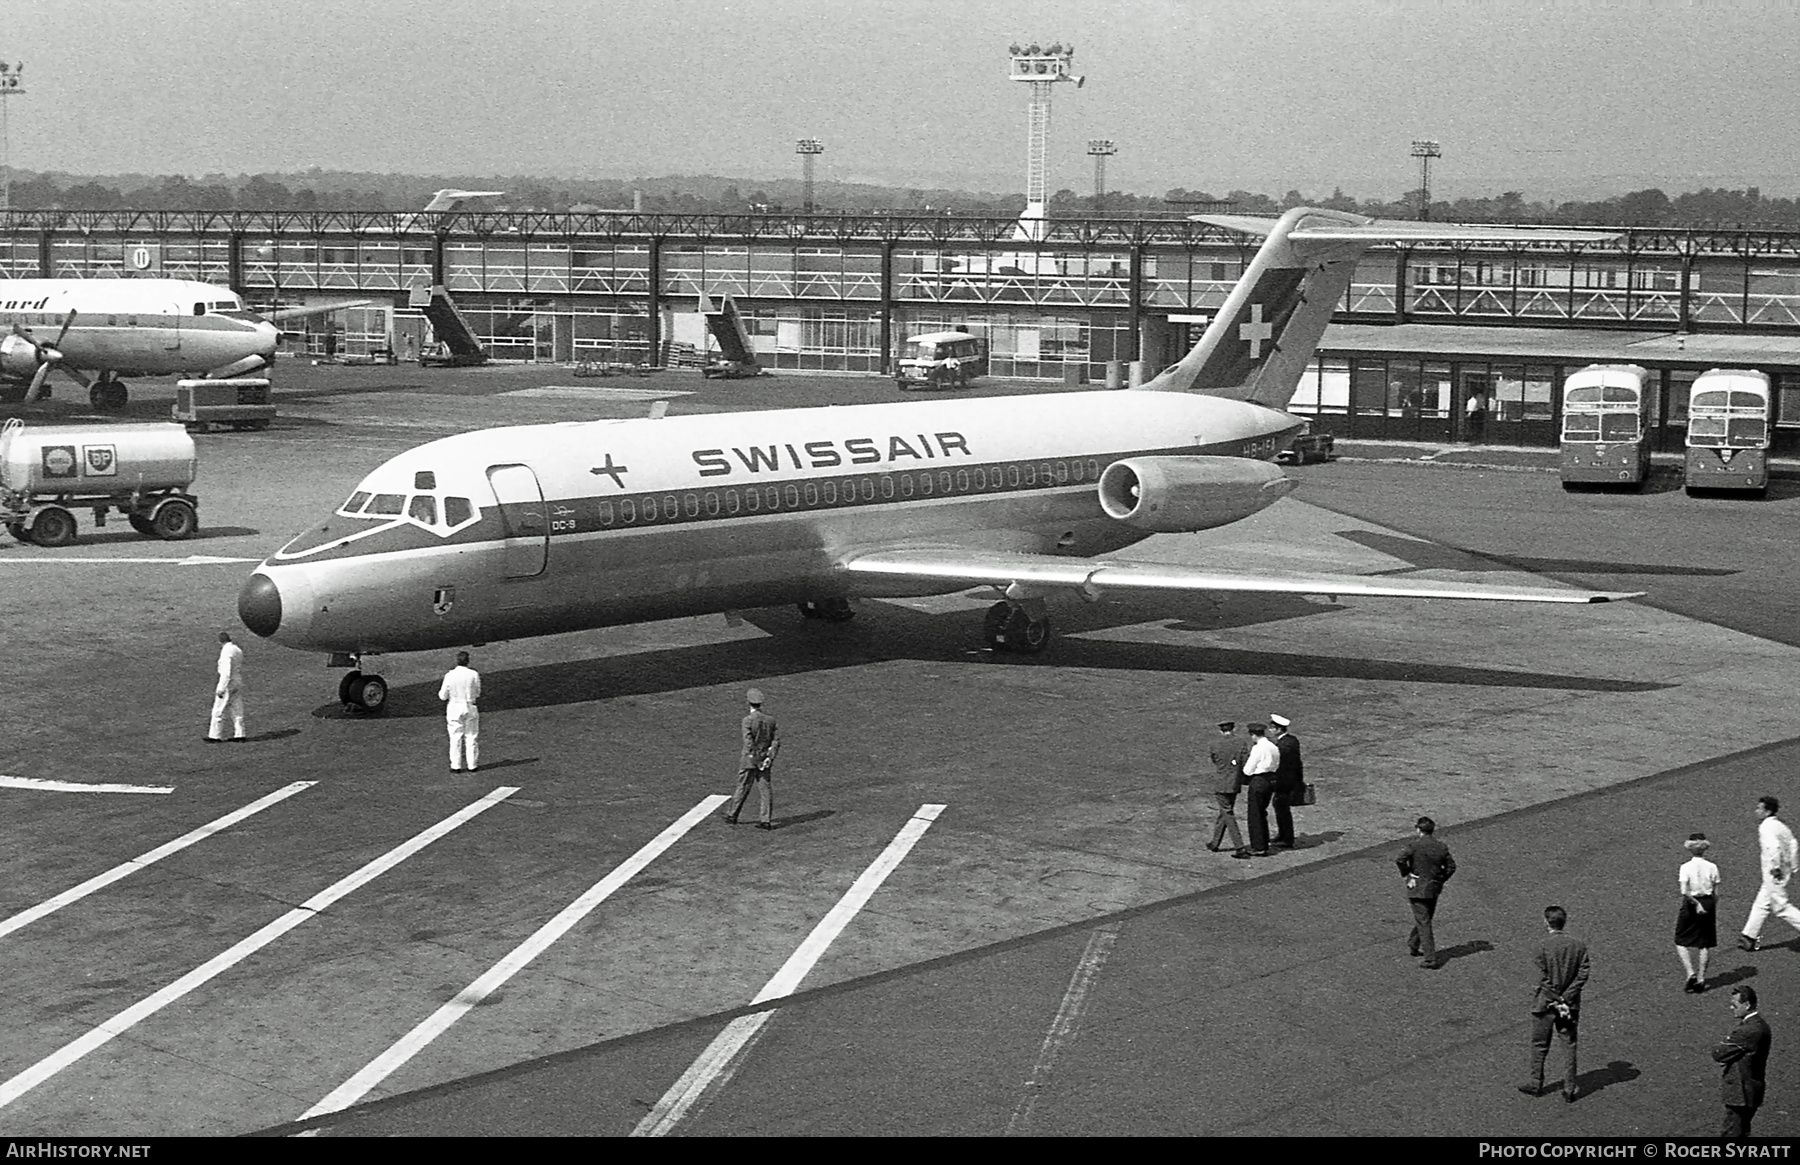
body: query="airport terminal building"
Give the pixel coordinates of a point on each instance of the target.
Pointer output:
(1421, 329)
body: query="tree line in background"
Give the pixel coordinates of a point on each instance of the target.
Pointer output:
(703, 194)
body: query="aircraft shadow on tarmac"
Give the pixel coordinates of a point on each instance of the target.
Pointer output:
(885, 632)
(1436, 556)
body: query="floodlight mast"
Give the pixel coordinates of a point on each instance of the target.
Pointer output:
(809, 149)
(12, 84)
(1424, 149)
(1101, 149)
(1040, 68)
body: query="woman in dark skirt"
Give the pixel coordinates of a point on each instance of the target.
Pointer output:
(1696, 927)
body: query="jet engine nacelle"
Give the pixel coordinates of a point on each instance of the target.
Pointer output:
(18, 357)
(1177, 495)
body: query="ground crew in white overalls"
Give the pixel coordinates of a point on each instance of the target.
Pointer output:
(461, 693)
(229, 695)
(1779, 856)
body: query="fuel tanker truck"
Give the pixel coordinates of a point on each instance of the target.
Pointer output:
(142, 471)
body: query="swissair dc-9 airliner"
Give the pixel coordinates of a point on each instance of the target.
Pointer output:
(534, 530)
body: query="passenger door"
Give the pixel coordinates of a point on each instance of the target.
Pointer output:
(172, 337)
(521, 505)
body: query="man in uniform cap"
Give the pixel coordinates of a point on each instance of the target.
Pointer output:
(1290, 780)
(755, 761)
(1227, 756)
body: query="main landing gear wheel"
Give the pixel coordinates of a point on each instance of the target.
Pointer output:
(830, 610)
(361, 693)
(1009, 628)
(108, 396)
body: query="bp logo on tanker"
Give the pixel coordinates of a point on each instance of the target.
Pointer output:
(100, 460)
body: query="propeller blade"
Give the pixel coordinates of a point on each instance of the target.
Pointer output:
(57, 343)
(73, 374)
(37, 381)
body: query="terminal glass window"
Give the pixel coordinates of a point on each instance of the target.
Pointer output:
(1368, 387)
(1403, 396)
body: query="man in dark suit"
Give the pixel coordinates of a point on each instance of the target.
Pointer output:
(1562, 964)
(1745, 1053)
(1426, 865)
(755, 760)
(1290, 782)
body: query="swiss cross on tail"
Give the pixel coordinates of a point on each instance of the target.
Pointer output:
(1252, 336)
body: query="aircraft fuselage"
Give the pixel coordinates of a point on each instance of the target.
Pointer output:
(535, 530)
(131, 327)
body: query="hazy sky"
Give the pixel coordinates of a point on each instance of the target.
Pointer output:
(1207, 95)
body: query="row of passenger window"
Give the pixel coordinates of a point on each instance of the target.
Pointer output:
(837, 492)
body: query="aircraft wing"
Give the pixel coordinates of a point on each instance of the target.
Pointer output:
(316, 309)
(1093, 578)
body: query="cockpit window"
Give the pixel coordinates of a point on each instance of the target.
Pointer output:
(355, 504)
(199, 309)
(457, 511)
(424, 479)
(423, 508)
(387, 504)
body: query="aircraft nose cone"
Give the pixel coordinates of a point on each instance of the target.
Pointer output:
(259, 605)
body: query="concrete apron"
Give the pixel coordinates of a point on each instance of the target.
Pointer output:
(1459, 710)
(1468, 710)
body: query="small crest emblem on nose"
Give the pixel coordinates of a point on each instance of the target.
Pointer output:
(442, 600)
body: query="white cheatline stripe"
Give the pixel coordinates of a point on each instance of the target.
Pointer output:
(124, 1021)
(1066, 1026)
(98, 881)
(719, 1062)
(414, 1041)
(67, 560)
(42, 786)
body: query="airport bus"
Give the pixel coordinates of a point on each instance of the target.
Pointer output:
(1605, 434)
(1729, 429)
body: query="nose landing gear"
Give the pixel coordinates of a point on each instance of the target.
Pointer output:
(362, 693)
(830, 610)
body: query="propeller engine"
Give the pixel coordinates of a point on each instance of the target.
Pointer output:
(47, 356)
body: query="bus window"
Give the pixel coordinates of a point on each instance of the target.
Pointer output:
(1619, 427)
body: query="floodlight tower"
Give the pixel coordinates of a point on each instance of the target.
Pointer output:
(1425, 150)
(12, 84)
(1040, 68)
(808, 149)
(1101, 149)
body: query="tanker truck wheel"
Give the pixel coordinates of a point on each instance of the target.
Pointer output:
(174, 521)
(53, 526)
(140, 524)
(18, 531)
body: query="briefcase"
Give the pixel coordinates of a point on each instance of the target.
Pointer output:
(1307, 796)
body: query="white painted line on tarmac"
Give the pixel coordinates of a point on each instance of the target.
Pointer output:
(67, 559)
(720, 1061)
(414, 1041)
(124, 1021)
(98, 881)
(44, 786)
(1066, 1026)
(583, 392)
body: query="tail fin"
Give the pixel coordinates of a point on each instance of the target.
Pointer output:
(1258, 345)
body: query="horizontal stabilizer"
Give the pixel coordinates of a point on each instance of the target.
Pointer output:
(1093, 578)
